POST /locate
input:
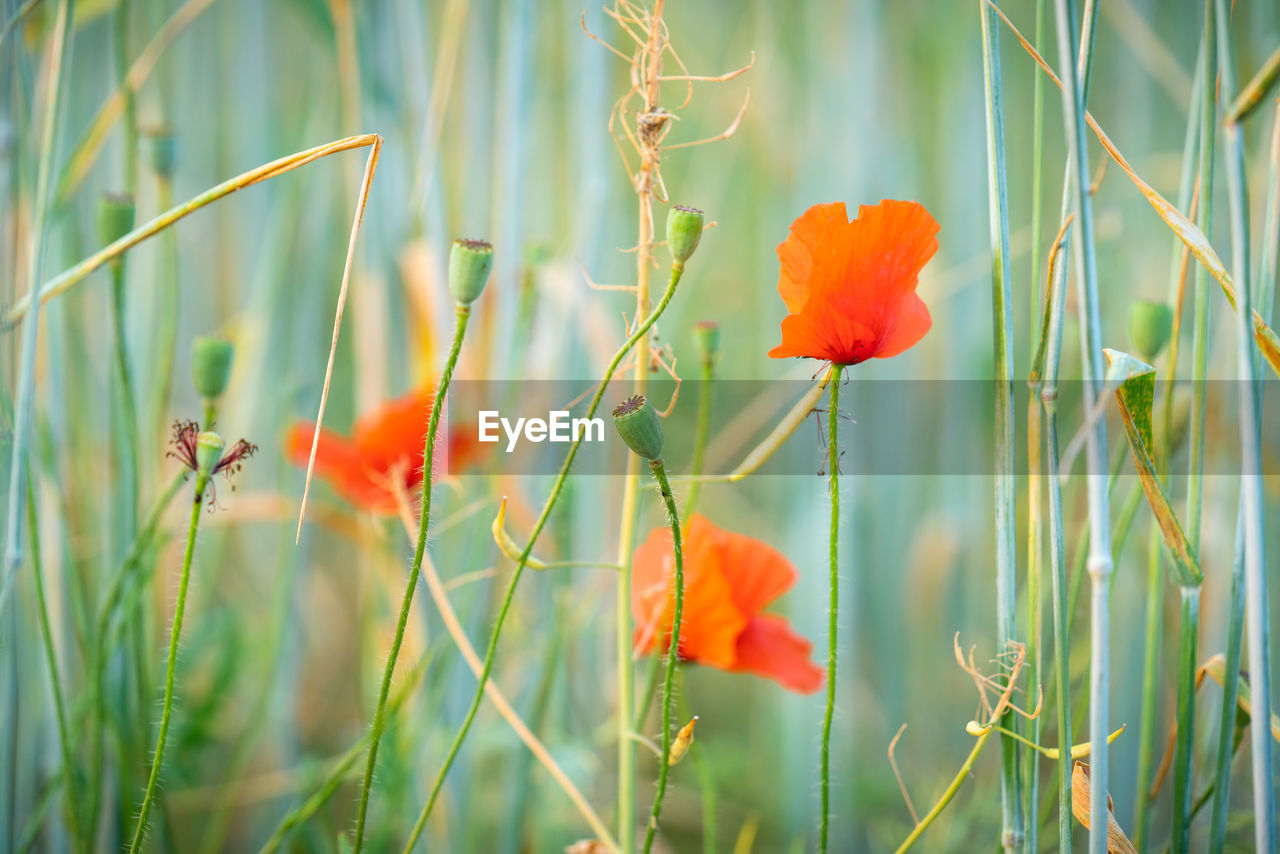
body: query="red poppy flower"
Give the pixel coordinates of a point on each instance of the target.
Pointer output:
(383, 455)
(729, 579)
(851, 286)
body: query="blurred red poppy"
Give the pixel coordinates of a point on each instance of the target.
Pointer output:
(729, 579)
(384, 454)
(850, 287)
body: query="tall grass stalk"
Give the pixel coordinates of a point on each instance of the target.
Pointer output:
(463, 315)
(1012, 834)
(59, 64)
(1183, 771)
(1099, 565)
(673, 649)
(1035, 445)
(1252, 507)
(55, 678)
(642, 330)
(1188, 200)
(1056, 299)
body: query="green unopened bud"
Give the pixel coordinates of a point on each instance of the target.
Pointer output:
(469, 265)
(115, 217)
(638, 425)
(211, 365)
(209, 447)
(1150, 324)
(684, 230)
(164, 151)
(706, 334)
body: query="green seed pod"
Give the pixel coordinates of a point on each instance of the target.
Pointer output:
(1150, 324)
(115, 217)
(211, 365)
(469, 264)
(164, 151)
(706, 334)
(638, 425)
(209, 447)
(684, 230)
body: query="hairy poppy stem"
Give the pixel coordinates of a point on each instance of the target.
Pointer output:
(677, 271)
(424, 520)
(673, 649)
(140, 832)
(833, 473)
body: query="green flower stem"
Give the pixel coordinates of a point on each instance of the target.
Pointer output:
(650, 688)
(700, 437)
(55, 679)
(677, 271)
(380, 714)
(833, 553)
(166, 710)
(341, 768)
(103, 644)
(1252, 502)
(673, 650)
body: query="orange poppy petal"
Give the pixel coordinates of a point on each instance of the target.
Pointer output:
(811, 234)
(889, 244)
(710, 622)
(756, 572)
(394, 432)
(339, 462)
(906, 329)
(768, 647)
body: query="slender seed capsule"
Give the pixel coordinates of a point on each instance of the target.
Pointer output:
(164, 151)
(469, 265)
(684, 230)
(115, 217)
(209, 447)
(638, 425)
(211, 365)
(706, 334)
(1150, 325)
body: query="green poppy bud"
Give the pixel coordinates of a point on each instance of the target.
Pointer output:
(1150, 324)
(209, 447)
(211, 365)
(638, 425)
(706, 334)
(115, 217)
(469, 264)
(164, 151)
(684, 230)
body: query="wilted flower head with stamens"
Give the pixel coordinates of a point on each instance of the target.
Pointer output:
(186, 449)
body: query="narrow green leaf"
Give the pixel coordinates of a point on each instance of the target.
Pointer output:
(1135, 382)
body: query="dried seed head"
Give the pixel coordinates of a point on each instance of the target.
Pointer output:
(638, 425)
(684, 230)
(469, 265)
(1150, 325)
(211, 364)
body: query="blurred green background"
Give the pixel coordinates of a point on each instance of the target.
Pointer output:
(852, 101)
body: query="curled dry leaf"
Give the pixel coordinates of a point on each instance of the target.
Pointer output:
(1117, 842)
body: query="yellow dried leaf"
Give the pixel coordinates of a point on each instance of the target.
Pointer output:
(1117, 842)
(684, 738)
